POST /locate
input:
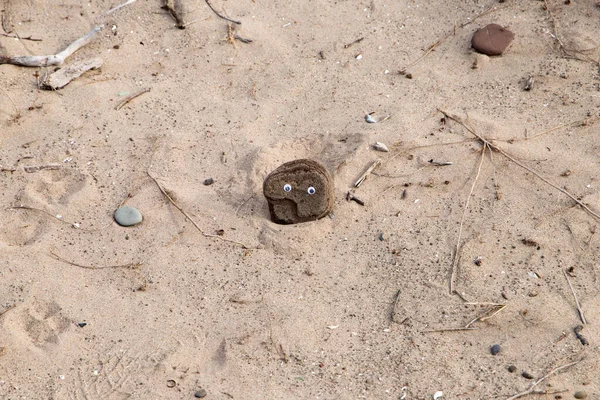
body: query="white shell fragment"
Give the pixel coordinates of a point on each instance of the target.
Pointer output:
(438, 395)
(370, 119)
(381, 147)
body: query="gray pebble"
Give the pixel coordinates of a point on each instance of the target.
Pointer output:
(512, 368)
(580, 395)
(208, 181)
(128, 216)
(200, 393)
(495, 349)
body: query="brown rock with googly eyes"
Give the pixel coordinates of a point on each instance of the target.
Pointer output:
(299, 191)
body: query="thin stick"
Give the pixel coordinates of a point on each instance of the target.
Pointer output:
(462, 220)
(396, 301)
(449, 330)
(583, 122)
(186, 215)
(451, 33)
(21, 38)
(429, 50)
(534, 384)
(242, 205)
(127, 99)
(567, 53)
(7, 309)
(57, 216)
(131, 265)
(112, 10)
(220, 15)
(487, 315)
(56, 59)
(511, 158)
(576, 299)
(367, 173)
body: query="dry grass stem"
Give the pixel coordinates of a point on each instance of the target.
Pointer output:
(187, 216)
(487, 315)
(494, 147)
(126, 100)
(7, 309)
(449, 330)
(130, 265)
(538, 381)
(581, 316)
(364, 176)
(462, 220)
(451, 33)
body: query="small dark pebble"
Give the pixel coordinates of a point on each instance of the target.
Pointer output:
(200, 393)
(527, 375)
(409, 76)
(512, 368)
(208, 182)
(171, 383)
(495, 349)
(81, 324)
(579, 336)
(580, 395)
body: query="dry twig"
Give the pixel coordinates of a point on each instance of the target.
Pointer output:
(576, 299)
(130, 265)
(517, 162)
(58, 217)
(451, 33)
(7, 309)
(208, 3)
(462, 220)
(362, 178)
(127, 99)
(448, 330)
(112, 10)
(488, 314)
(187, 216)
(538, 381)
(567, 53)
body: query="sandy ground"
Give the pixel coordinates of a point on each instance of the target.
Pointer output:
(349, 307)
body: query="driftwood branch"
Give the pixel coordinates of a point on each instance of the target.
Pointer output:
(55, 59)
(64, 76)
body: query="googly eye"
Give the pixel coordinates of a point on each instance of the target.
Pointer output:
(311, 190)
(287, 187)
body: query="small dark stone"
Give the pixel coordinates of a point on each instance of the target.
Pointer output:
(580, 395)
(527, 375)
(495, 349)
(512, 368)
(409, 76)
(208, 182)
(81, 324)
(200, 393)
(492, 40)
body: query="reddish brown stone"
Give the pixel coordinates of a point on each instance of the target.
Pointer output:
(492, 40)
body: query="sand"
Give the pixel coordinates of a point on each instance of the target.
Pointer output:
(340, 308)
